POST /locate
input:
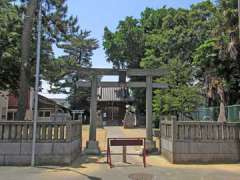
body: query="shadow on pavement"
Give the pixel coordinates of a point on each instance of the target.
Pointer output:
(77, 165)
(83, 159)
(70, 170)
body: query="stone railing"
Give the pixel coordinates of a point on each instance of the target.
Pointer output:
(57, 143)
(166, 129)
(204, 130)
(13, 131)
(200, 142)
(55, 117)
(207, 131)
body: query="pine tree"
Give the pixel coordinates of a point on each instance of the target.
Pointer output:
(55, 26)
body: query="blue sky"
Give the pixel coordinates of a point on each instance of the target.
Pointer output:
(94, 15)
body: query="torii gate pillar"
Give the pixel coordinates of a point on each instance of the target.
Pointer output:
(92, 146)
(150, 144)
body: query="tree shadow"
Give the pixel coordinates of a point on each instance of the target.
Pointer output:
(77, 164)
(70, 170)
(84, 159)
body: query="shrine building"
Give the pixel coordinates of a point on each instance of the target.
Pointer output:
(112, 103)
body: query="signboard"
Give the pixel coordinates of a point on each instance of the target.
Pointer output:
(124, 142)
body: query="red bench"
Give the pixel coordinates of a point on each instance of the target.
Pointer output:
(124, 142)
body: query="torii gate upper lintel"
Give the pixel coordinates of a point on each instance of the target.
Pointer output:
(115, 72)
(92, 144)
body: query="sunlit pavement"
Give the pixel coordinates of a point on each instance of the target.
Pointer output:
(95, 168)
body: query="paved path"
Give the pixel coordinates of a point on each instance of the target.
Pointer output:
(95, 168)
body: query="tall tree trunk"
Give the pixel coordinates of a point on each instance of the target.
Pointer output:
(25, 55)
(1, 53)
(222, 116)
(239, 19)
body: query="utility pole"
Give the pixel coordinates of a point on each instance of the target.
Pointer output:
(239, 18)
(39, 28)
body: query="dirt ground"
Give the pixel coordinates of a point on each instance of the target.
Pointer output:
(101, 137)
(139, 132)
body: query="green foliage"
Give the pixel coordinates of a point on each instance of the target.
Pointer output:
(78, 52)
(58, 29)
(10, 33)
(169, 39)
(206, 57)
(219, 55)
(183, 99)
(182, 96)
(79, 47)
(125, 47)
(192, 44)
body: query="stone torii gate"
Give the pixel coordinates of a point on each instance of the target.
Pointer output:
(92, 146)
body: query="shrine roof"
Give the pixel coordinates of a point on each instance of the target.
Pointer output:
(114, 94)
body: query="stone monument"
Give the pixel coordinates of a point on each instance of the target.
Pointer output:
(130, 117)
(99, 119)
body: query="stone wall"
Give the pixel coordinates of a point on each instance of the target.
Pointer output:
(200, 142)
(58, 143)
